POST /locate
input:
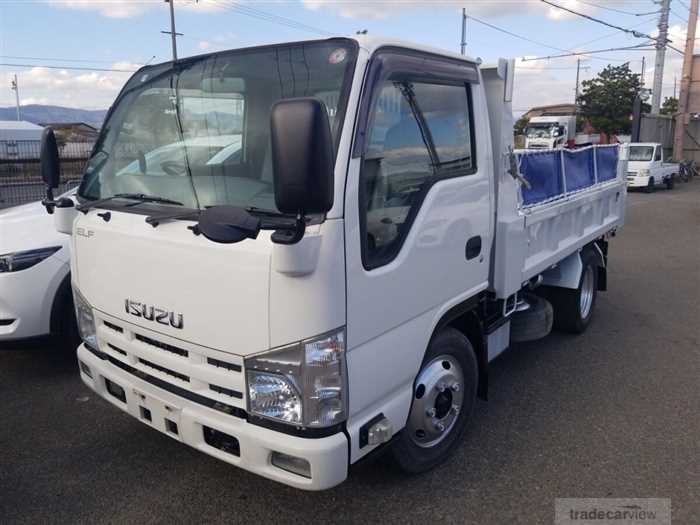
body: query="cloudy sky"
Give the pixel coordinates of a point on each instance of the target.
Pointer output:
(92, 44)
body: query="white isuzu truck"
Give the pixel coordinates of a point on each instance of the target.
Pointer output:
(550, 132)
(291, 256)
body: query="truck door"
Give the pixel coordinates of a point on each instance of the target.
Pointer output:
(418, 218)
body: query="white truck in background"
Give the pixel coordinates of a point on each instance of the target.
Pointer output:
(647, 167)
(338, 277)
(550, 132)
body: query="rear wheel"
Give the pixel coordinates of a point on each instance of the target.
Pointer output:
(670, 182)
(444, 394)
(573, 308)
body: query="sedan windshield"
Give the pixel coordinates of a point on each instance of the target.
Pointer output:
(198, 132)
(641, 153)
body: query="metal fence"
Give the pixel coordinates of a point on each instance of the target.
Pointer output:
(20, 178)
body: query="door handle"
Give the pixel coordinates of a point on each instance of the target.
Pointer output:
(473, 248)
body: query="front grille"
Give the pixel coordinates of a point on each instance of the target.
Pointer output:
(223, 364)
(114, 327)
(116, 349)
(163, 346)
(181, 377)
(195, 372)
(226, 391)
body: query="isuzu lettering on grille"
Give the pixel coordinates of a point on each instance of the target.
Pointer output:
(151, 313)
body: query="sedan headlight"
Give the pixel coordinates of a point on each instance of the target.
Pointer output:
(85, 319)
(17, 261)
(303, 384)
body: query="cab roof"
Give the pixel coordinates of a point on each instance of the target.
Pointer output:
(371, 43)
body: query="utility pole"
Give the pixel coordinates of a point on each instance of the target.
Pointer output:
(644, 66)
(578, 68)
(173, 34)
(682, 118)
(463, 46)
(660, 55)
(674, 86)
(15, 87)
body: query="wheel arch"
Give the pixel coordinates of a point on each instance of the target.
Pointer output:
(63, 294)
(465, 318)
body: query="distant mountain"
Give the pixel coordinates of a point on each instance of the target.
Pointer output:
(37, 114)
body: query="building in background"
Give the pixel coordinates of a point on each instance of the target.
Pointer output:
(18, 137)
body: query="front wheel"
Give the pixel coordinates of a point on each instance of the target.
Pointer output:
(444, 395)
(670, 182)
(650, 186)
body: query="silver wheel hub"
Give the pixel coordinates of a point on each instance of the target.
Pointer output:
(437, 401)
(587, 292)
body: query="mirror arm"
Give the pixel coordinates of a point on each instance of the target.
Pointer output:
(291, 234)
(49, 203)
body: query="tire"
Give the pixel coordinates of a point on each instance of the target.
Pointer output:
(533, 323)
(573, 309)
(650, 186)
(421, 445)
(670, 182)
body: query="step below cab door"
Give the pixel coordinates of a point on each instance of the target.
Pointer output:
(418, 216)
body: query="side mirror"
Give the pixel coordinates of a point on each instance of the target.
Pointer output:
(302, 156)
(50, 167)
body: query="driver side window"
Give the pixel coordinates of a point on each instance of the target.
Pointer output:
(418, 134)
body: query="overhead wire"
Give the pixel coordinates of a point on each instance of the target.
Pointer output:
(526, 39)
(603, 22)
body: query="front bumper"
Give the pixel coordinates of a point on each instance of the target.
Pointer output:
(328, 456)
(26, 299)
(637, 182)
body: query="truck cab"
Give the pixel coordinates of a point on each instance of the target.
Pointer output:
(291, 256)
(647, 167)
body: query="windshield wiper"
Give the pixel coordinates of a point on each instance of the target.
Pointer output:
(155, 220)
(139, 197)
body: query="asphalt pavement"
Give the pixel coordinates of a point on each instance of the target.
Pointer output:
(611, 413)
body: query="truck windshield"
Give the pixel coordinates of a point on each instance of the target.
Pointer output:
(542, 131)
(641, 153)
(198, 132)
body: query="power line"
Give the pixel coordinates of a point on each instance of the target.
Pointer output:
(638, 47)
(608, 35)
(270, 17)
(12, 57)
(603, 22)
(78, 68)
(616, 10)
(526, 39)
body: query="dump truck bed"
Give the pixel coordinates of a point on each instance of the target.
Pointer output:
(575, 197)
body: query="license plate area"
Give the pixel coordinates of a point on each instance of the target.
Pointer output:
(158, 413)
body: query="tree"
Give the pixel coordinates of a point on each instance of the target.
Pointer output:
(520, 125)
(670, 106)
(606, 101)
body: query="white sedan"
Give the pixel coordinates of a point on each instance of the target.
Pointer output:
(35, 290)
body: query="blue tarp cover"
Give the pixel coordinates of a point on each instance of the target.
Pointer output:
(579, 169)
(543, 172)
(606, 159)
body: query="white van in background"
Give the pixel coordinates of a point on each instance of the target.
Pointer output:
(647, 167)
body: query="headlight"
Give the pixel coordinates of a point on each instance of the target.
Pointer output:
(644, 173)
(14, 262)
(85, 319)
(303, 384)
